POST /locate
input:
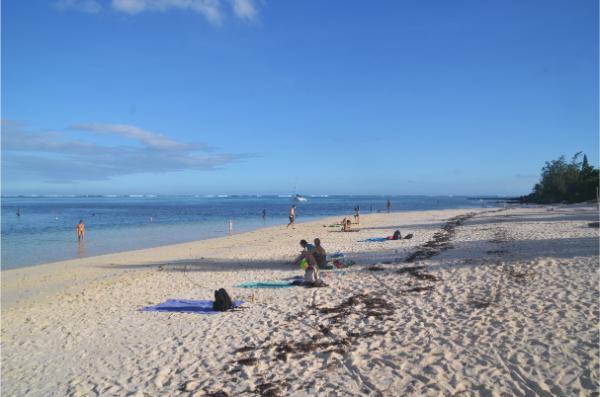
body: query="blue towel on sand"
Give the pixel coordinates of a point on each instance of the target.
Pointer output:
(374, 240)
(266, 284)
(185, 306)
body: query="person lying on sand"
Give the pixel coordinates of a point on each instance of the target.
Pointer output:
(395, 236)
(342, 223)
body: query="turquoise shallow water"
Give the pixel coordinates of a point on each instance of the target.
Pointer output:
(45, 230)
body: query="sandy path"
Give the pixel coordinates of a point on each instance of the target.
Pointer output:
(514, 311)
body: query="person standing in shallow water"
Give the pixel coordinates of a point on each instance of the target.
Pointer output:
(389, 205)
(80, 228)
(292, 215)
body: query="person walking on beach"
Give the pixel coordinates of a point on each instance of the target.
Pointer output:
(292, 215)
(357, 215)
(80, 228)
(389, 205)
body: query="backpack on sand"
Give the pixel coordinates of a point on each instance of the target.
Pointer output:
(408, 236)
(222, 301)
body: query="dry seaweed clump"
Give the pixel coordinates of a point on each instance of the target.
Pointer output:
(522, 276)
(440, 240)
(415, 271)
(359, 304)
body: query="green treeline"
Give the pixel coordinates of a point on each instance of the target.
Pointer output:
(561, 181)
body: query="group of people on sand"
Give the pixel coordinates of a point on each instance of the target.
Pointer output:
(315, 257)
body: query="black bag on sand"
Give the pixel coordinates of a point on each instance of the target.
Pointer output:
(408, 236)
(222, 301)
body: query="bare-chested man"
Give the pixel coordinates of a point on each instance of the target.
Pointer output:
(80, 230)
(292, 215)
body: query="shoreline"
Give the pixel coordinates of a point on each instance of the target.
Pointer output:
(45, 278)
(484, 279)
(32, 282)
(23, 249)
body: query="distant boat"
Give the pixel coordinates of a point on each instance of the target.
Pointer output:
(299, 198)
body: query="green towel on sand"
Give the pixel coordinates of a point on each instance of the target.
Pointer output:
(266, 284)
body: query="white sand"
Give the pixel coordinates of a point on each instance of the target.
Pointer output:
(515, 312)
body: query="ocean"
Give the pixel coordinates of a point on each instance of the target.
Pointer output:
(45, 229)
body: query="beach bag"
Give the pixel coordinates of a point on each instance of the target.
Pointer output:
(222, 301)
(408, 236)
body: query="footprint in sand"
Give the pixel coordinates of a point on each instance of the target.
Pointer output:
(160, 380)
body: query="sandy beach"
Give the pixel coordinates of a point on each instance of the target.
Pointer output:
(486, 302)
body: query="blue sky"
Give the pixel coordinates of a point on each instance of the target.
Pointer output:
(264, 96)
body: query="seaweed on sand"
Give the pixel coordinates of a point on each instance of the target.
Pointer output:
(270, 389)
(414, 271)
(440, 241)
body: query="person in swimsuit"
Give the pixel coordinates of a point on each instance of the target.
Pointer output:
(319, 254)
(80, 228)
(357, 215)
(292, 215)
(395, 236)
(311, 273)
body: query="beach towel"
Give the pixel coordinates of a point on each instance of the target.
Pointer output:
(186, 306)
(266, 284)
(374, 240)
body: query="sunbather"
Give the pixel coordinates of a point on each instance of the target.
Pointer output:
(395, 236)
(346, 227)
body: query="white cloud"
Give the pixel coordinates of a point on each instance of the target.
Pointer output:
(55, 157)
(87, 6)
(147, 138)
(212, 10)
(245, 9)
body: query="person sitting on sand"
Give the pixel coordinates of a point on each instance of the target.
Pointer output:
(311, 273)
(395, 236)
(346, 227)
(319, 254)
(80, 228)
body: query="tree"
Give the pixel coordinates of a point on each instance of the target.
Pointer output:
(565, 182)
